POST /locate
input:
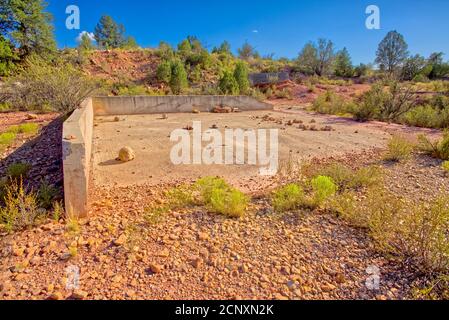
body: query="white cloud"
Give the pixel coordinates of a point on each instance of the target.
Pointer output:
(255, 31)
(89, 34)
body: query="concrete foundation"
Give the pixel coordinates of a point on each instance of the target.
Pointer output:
(78, 132)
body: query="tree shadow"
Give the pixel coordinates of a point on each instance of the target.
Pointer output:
(44, 154)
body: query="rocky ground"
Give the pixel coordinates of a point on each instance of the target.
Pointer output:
(193, 254)
(43, 151)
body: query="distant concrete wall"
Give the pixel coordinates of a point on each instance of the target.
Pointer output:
(172, 104)
(77, 150)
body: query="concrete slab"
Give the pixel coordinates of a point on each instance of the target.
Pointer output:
(149, 135)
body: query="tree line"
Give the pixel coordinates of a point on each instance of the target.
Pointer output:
(26, 28)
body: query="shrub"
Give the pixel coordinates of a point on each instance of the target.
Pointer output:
(164, 72)
(347, 178)
(368, 106)
(445, 166)
(287, 198)
(46, 195)
(423, 116)
(331, 103)
(323, 187)
(178, 81)
(56, 84)
(399, 149)
(18, 170)
(241, 76)
(26, 128)
(227, 84)
(401, 228)
(438, 149)
(6, 139)
(20, 209)
(221, 198)
(229, 202)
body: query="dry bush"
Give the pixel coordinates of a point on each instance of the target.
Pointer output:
(437, 149)
(399, 149)
(42, 85)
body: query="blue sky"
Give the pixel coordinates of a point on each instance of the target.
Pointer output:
(277, 26)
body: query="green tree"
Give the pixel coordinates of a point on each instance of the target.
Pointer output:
(178, 81)
(130, 43)
(184, 48)
(325, 52)
(308, 59)
(439, 69)
(163, 72)
(228, 84)
(85, 43)
(414, 66)
(247, 51)
(224, 48)
(241, 77)
(109, 34)
(392, 52)
(31, 27)
(7, 57)
(343, 64)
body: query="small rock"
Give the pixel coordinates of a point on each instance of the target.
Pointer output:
(155, 268)
(126, 154)
(79, 295)
(120, 241)
(56, 296)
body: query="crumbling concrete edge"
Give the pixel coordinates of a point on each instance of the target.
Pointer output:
(76, 153)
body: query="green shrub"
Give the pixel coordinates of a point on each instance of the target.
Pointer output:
(164, 72)
(438, 149)
(26, 128)
(229, 202)
(347, 178)
(423, 116)
(221, 198)
(331, 103)
(287, 198)
(323, 187)
(227, 84)
(178, 81)
(6, 139)
(445, 166)
(399, 149)
(18, 170)
(368, 106)
(46, 195)
(241, 76)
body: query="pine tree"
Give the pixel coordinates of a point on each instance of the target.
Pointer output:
(31, 26)
(109, 34)
(392, 52)
(7, 57)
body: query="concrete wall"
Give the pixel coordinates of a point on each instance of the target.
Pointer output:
(76, 153)
(78, 133)
(172, 104)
